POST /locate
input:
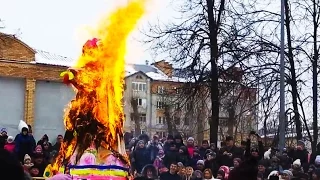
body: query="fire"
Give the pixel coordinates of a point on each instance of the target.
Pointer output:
(96, 114)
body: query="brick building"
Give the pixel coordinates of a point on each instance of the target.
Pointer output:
(30, 88)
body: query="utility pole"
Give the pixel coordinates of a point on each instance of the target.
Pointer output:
(282, 85)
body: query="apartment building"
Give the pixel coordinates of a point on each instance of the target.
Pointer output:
(149, 86)
(156, 85)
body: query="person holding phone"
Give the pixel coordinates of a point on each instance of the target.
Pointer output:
(255, 152)
(228, 153)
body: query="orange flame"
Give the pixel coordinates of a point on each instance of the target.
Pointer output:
(99, 78)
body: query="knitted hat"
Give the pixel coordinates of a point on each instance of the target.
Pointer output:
(26, 157)
(297, 162)
(190, 139)
(10, 139)
(301, 143)
(287, 172)
(317, 160)
(3, 130)
(200, 162)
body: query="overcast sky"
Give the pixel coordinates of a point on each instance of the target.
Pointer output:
(57, 26)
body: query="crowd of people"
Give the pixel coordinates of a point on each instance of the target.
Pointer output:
(33, 156)
(175, 158)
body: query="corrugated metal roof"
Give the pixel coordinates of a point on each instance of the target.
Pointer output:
(43, 57)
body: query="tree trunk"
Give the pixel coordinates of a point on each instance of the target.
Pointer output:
(265, 130)
(293, 81)
(135, 116)
(213, 33)
(231, 119)
(171, 125)
(315, 79)
(201, 113)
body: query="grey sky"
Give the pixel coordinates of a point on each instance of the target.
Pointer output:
(57, 26)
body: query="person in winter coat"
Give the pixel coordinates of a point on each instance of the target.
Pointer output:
(195, 158)
(227, 154)
(158, 162)
(56, 146)
(207, 175)
(44, 139)
(10, 166)
(190, 146)
(3, 137)
(171, 155)
(10, 144)
(24, 144)
(140, 156)
(254, 152)
(183, 156)
(300, 153)
(168, 142)
(178, 141)
(211, 163)
(154, 146)
(204, 147)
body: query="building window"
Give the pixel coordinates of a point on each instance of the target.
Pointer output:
(142, 102)
(139, 86)
(160, 89)
(161, 134)
(139, 77)
(161, 120)
(188, 106)
(176, 106)
(143, 118)
(160, 105)
(223, 121)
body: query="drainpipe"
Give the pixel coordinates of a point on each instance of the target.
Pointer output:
(149, 109)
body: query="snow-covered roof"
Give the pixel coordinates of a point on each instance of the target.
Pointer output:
(43, 57)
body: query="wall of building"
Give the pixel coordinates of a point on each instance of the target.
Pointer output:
(16, 62)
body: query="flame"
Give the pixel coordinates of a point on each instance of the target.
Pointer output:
(98, 78)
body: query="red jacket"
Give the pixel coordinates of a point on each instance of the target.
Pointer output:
(9, 147)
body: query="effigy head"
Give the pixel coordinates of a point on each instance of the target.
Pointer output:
(89, 46)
